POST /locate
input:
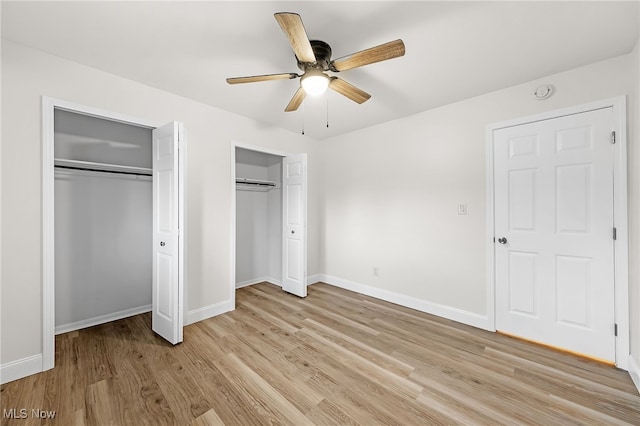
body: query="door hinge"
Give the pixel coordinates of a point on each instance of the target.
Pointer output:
(615, 234)
(615, 330)
(613, 137)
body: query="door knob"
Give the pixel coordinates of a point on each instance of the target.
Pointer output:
(502, 240)
(293, 232)
(162, 244)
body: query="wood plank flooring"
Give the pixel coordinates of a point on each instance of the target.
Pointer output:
(336, 357)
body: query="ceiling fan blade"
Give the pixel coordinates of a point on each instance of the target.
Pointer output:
(291, 24)
(349, 90)
(295, 102)
(390, 50)
(267, 77)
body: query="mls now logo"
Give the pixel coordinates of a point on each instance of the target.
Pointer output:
(23, 413)
(14, 413)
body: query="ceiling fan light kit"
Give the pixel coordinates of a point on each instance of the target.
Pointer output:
(314, 82)
(314, 59)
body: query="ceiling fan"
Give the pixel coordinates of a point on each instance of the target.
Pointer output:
(314, 60)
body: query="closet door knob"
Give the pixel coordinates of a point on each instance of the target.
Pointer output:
(162, 244)
(293, 232)
(502, 240)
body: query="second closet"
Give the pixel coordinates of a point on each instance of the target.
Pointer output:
(258, 217)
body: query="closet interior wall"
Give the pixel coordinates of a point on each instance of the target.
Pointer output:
(258, 219)
(103, 220)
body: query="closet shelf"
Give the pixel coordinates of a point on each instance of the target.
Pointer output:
(254, 184)
(101, 167)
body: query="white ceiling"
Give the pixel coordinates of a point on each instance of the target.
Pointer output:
(454, 50)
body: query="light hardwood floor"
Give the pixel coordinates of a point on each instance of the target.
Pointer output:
(336, 357)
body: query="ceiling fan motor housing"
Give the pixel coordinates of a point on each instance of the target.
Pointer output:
(322, 51)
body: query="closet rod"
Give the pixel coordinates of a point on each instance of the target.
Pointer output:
(255, 182)
(101, 167)
(103, 171)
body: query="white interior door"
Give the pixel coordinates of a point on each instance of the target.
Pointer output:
(294, 224)
(554, 248)
(168, 217)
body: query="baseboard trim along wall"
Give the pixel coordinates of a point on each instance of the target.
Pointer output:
(634, 372)
(206, 312)
(20, 368)
(90, 322)
(247, 283)
(312, 279)
(448, 312)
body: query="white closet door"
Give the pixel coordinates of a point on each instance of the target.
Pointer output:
(168, 217)
(294, 225)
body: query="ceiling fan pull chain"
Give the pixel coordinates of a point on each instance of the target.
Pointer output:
(303, 114)
(327, 97)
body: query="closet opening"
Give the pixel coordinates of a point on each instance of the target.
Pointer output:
(258, 218)
(270, 218)
(103, 220)
(112, 221)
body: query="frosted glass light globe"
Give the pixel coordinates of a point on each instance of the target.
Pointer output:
(314, 82)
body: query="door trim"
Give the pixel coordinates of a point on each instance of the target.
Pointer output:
(621, 259)
(48, 207)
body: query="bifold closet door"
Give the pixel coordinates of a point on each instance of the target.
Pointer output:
(294, 224)
(168, 219)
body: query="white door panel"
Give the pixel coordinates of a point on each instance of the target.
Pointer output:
(522, 271)
(294, 216)
(167, 319)
(554, 206)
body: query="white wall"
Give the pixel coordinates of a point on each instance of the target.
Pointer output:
(103, 228)
(634, 210)
(274, 223)
(28, 74)
(84, 138)
(391, 192)
(252, 256)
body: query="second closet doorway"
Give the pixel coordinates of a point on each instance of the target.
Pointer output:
(270, 214)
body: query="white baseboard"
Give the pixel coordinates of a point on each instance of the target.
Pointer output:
(90, 322)
(634, 372)
(253, 281)
(206, 312)
(18, 369)
(312, 279)
(455, 314)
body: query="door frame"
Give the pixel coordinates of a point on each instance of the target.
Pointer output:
(249, 147)
(621, 257)
(49, 105)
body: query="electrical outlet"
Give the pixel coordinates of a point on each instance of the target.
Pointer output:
(375, 271)
(462, 208)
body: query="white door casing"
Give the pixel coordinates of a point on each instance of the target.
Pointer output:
(294, 224)
(554, 200)
(48, 207)
(168, 217)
